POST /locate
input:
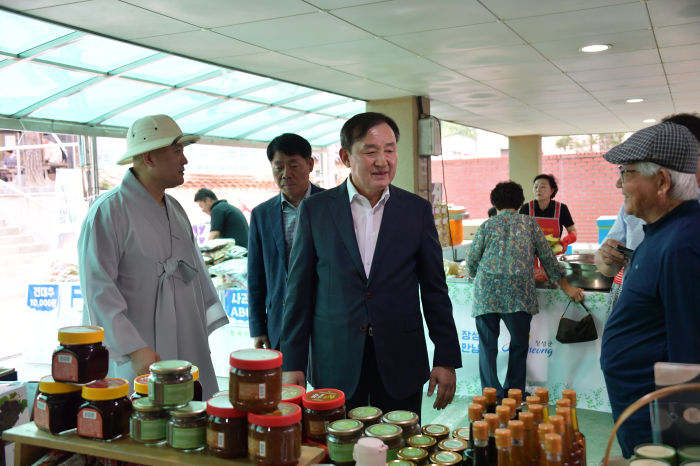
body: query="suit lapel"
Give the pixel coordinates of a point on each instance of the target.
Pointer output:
(342, 217)
(389, 230)
(277, 228)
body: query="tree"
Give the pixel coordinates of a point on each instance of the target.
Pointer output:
(32, 159)
(590, 142)
(447, 128)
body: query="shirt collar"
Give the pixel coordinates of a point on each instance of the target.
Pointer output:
(352, 192)
(284, 200)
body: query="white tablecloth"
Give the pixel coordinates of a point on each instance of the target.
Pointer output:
(550, 364)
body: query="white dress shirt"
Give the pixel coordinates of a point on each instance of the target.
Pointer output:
(367, 220)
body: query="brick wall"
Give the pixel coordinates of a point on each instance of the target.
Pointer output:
(586, 185)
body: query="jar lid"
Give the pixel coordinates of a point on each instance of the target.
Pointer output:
(292, 393)
(453, 444)
(446, 457)
(286, 414)
(220, 406)
(689, 453)
(195, 373)
(191, 409)
(654, 451)
(141, 384)
(170, 366)
(384, 431)
(81, 335)
(401, 417)
(435, 429)
(220, 393)
(256, 359)
(323, 399)
(106, 389)
(421, 441)
(411, 453)
(461, 432)
(401, 463)
(49, 386)
(365, 413)
(345, 426)
(649, 462)
(145, 405)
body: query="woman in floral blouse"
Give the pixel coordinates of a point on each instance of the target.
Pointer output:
(500, 259)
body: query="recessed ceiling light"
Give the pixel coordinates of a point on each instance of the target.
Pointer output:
(595, 48)
(649, 120)
(634, 101)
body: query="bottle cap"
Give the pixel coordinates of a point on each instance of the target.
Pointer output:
(532, 400)
(544, 429)
(491, 395)
(570, 394)
(369, 450)
(503, 438)
(503, 413)
(480, 430)
(480, 400)
(564, 412)
(512, 404)
(517, 429)
(564, 403)
(552, 443)
(476, 412)
(528, 419)
(516, 394)
(536, 411)
(558, 422)
(492, 420)
(543, 393)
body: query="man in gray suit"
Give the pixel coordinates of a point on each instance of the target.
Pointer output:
(366, 255)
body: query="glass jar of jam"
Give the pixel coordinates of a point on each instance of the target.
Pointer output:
(293, 394)
(255, 382)
(417, 455)
(106, 411)
(425, 442)
(187, 428)
(439, 432)
(321, 407)
(198, 390)
(140, 387)
(170, 383)
(81, 357)
(149, 422)
(368, 415)
(56, 405)
(446, 458)
(407, 420)
(342, 436)
(274, 438)
(390, 434)
(227, 429)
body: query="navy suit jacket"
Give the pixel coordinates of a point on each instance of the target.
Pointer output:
(267, 269)
(331, 303)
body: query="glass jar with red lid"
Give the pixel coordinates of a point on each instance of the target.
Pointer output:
(255, 383)
(274, 438)
(321, 407)
(106, 411)
(293, 393)
(56, 405)
(81, 356)
(227, 429)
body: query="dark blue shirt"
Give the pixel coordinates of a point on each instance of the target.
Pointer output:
(657, 317)
(229, 222)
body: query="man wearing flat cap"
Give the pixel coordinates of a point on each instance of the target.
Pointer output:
(141, 273)
(657, 316)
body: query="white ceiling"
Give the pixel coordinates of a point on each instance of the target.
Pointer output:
(508, 66)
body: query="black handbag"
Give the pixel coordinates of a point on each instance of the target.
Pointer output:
(572, 331)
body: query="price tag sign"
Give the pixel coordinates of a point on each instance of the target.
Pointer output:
(236, 304)
(42, 297)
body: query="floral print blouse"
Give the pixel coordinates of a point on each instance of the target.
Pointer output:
(502, 258)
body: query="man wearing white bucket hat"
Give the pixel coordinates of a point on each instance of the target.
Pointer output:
(141, 273)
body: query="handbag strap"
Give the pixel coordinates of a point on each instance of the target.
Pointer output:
(580, 303)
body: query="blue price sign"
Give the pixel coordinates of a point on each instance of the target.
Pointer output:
(76, 297)
(42, 297)
(236, 304)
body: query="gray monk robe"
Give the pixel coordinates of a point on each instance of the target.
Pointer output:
(144, 280)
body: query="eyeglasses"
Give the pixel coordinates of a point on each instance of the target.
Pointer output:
(625, 171)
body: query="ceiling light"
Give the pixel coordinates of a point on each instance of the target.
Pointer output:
(595, 48)
(649, 120)
(634, 101)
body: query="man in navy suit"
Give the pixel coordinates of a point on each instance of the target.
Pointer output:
(272, 226)
(365, 256)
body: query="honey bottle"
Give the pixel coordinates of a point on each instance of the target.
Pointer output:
(512, 404)
(568, 438)
(503, 413)
(542, 430)
(530, 456)
(532, 400)
(480, 443)
(517, 395)
(476, 413)
(480, 400)
(503, 444)
(492, 420)
(517, 446)
(491, 395)
(578, 435)
(557, 421)
(543, 393)
(553, 449)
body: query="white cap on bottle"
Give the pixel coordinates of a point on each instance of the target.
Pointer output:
(369, 451)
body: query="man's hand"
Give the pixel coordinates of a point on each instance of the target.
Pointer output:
(261, 342)
(608, 259)
(294, 378)
(142, 359)
(446, 381)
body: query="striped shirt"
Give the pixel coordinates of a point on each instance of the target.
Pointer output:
(289, 221)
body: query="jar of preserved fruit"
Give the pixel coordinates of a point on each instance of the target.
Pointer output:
(439, 432)
(56, 405)
(170, 383)
(390, 434)
(187, 427)
(293, 394)
(321, 407)
(417, 455)
(255, 382)
(367, 414)
(198, 390)
(425, 442)
(227, 429)
(149, 422)
(407, 420)
(274, 438)
(140, 387)
(106, 411)
(81, 357)
(342, 436)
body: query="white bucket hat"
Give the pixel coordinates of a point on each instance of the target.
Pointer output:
(151, 133)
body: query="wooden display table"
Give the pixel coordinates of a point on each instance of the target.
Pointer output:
(31, 443)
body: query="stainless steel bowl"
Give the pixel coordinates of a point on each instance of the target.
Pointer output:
(582, 272)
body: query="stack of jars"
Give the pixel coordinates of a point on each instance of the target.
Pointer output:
(525, 433)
